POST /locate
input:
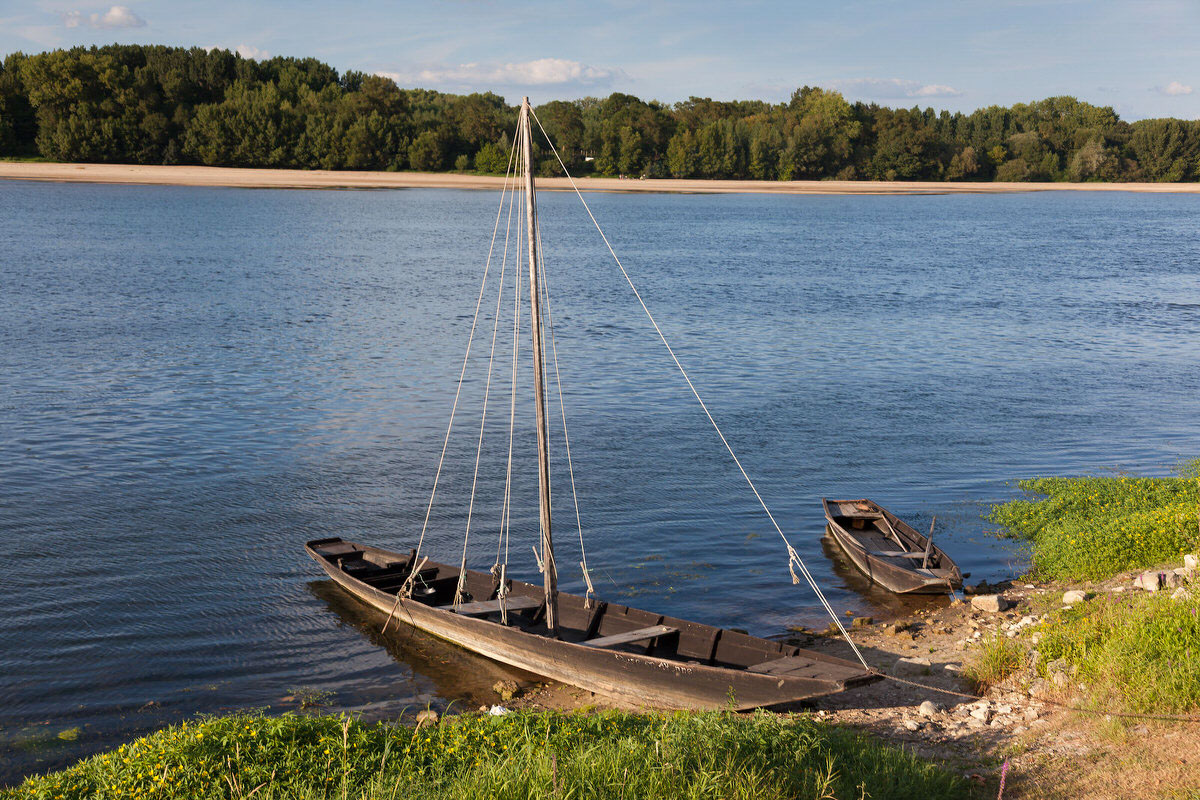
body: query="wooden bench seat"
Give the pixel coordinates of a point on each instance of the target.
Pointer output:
(629, 637)
(482, 608)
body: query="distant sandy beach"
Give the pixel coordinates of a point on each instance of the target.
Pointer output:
(321, 179)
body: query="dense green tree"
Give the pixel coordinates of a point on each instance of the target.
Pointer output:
(151, 104)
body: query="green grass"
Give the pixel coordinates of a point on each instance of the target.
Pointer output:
(997, 658)
(521, 755)
(1093, 528)
(1136, 652)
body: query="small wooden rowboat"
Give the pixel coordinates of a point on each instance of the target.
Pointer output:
(889, 551)
(635, 656)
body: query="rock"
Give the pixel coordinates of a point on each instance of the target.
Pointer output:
(928, 709)
(1004, 708)
(1117, 589)
(1191, 561)
(1074, 596)
(990, 602)
(862, 622)
(1171, 581)
(976, 723)
(953, 667)
(1181, 594)
(1031, 714)
(911, 725)
(506, 689)
(498, 711)
(982, 712)
(427, 717)
(911, 666)
(896, 628)
(1059, 678)
(1149, 581)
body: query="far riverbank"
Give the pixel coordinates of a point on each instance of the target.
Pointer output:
(324, 179)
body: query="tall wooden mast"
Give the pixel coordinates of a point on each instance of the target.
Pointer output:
(549, 572)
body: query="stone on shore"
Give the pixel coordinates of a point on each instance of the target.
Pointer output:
(911, 666)
(506, 689)
(427, 717)
(928, 709)
(862, 622)
(1191, 561)
(1149, 581)
(1074, 596)
(990, 602)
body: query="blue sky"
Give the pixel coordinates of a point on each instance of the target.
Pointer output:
(1143, 58)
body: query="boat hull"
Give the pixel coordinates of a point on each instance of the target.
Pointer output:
(639, 680)
(884, 571)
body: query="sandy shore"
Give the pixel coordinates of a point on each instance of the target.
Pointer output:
(321, 179)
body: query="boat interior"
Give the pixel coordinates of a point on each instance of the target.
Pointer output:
(603, 625)
(883, 536)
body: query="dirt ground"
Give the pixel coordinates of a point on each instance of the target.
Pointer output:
(323, 179)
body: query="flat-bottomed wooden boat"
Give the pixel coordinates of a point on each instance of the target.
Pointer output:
(888, 550)
(624, 653)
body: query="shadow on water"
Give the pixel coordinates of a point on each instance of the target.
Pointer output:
(443, 674)
(883, 603)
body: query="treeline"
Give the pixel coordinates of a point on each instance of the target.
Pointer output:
(164, 105)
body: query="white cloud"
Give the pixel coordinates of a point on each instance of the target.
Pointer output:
(540, 72)
(250, 51)
(115, 17)
(1175, 88)
(893, 88)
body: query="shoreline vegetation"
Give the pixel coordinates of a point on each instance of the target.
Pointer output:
(255, 178)
(157, 105)
(516, 755)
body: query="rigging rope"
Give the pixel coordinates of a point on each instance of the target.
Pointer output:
(793, 556)
(499, 569)
(589, 597)
(462, 567)
(406, 589)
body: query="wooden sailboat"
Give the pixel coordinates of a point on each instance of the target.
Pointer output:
(888, 550)
(632, 655)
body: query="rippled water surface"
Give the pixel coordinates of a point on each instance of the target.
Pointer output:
(195, 381)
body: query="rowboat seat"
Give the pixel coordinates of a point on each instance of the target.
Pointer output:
(895, 554)
(629, 637)
(482, 608)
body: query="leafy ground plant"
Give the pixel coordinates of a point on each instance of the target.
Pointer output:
(520, 755)
(1093, 528)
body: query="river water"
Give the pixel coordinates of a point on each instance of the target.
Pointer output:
(195, 381)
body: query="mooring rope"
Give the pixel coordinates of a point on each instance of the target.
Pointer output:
(793, 556)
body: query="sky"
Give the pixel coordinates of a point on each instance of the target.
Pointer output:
(1142, 58)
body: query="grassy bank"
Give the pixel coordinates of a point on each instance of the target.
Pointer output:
(1138, 653)
(1092, 528)
(1134, 651)
(520, 755)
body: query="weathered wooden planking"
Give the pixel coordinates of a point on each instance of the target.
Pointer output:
(629, 637)
(482, 608)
